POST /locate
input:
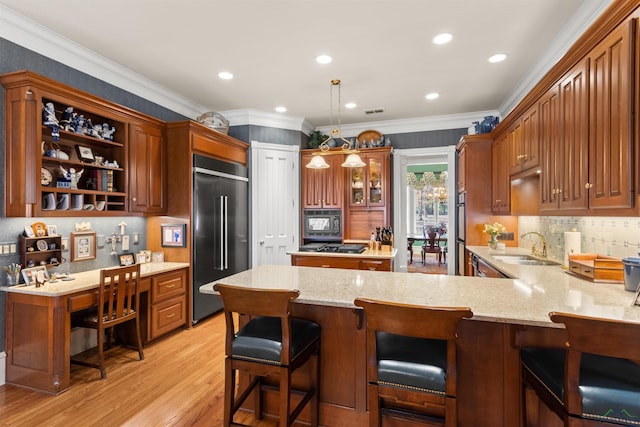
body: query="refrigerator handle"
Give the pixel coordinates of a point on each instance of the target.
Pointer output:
(226, 233)
(222, 222)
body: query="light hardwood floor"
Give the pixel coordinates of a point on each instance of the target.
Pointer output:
(179, 383)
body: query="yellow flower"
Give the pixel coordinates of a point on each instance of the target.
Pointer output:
(494, 229)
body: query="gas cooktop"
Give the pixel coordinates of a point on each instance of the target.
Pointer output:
(333, 247)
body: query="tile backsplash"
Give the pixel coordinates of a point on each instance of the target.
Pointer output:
(615, 236)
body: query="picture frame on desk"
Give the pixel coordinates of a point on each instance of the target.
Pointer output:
(30, 275)
(173, 235)
(83, 245)
(126, 259)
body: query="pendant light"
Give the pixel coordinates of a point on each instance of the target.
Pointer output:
(353, 160)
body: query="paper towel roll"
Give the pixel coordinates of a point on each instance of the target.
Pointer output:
(571, 245)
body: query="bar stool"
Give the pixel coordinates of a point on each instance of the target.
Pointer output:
(270, 344)
(411, 361)
(595, 380)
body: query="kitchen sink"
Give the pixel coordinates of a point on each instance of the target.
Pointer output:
(523, 260)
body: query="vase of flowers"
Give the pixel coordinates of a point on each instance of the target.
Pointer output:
(493, 230)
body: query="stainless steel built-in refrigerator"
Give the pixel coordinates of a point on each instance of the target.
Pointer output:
(219, 228)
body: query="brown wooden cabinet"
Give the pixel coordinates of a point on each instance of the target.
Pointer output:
(323, 188)
(148, 169)
(524, 144)
(462, 167)
(500, 183)
(33, 253)
(168, 303)
(354, 262)
(34, 180)
(550, 161)
(368, 194)
(611, 163)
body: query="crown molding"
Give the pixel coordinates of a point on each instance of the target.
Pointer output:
(38, 38)
(249, 116)
(418, 124)
(579, 23)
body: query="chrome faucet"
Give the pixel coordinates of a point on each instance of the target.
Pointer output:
(534, 248)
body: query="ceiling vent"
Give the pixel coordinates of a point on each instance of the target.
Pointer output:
(374, 111)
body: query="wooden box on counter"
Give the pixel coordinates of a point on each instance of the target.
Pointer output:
(597, 268)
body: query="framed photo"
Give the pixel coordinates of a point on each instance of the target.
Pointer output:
(35, 274)
(85, 154)
(52, 230)
(157, 256)
(126, 258)
(83, 245)
(28, 231)
(141, 258)
(173, 235)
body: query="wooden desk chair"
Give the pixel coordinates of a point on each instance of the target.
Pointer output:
(595, 381)
(411, 361)
(271, 344)
(431, 245)
(116, 305)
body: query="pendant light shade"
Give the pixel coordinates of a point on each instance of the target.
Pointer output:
(353, 161)
(317, 162)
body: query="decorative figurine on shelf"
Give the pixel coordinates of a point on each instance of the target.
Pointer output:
(49, 114)
(88, 127)
(96, 131)
(72, 176)
(78, 125)
(106, 132)
(49, 119)
(65, 121)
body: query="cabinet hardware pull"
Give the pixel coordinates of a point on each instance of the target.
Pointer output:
(171, 286)
(170, 315)
(135, 199)
(588, 186)
(325, 266)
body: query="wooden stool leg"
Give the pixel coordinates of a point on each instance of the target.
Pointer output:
(101, 334)
(285, 396)
(229, 389)
(315, 382)
(374, 406)
(257, 397)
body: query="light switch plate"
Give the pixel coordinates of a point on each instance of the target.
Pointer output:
(125, 242)
(65, 244)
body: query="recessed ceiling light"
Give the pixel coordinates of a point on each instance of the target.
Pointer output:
(432, 96)
(442, 38)
(225, 75)
(350, 105)
(281, 109)
(323, 59)
(498, 57)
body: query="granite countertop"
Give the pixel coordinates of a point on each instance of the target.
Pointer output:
(88, 280)
(526, 300)
(368, 253)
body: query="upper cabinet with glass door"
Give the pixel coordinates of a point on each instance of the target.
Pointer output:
(368, 184)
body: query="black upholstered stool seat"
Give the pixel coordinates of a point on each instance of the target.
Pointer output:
(609, 387)
(261, 339)
(594, 381)
(414, 363)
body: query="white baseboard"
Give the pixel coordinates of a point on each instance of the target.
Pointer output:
(3, 367)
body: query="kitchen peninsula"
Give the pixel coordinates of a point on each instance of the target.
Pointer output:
(38, 320)
(489, 396)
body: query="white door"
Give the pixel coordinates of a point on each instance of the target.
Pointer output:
(275, 202)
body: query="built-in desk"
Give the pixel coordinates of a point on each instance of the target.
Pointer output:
(38, 320)
(488, 362)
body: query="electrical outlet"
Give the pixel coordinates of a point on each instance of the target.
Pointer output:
(65, 244)
(136, 238)
(125, 242)
(100, 240)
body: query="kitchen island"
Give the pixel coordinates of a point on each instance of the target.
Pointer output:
(374, 260)
(488, 367)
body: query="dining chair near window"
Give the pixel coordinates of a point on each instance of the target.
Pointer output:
(431, 245)
(118, 295)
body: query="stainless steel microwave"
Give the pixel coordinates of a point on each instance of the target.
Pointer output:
(322, 224)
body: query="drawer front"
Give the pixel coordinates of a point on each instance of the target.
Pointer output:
(167, 316)
(375, 265)
(167, 286)
(325, 262)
